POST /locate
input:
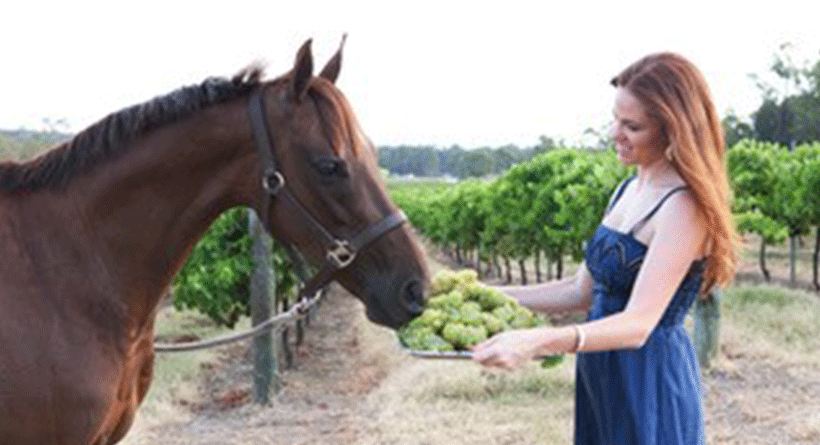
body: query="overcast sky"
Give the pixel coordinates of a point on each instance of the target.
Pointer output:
(421, 72)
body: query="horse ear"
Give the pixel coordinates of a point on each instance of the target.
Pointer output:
(302, 71)
(334, 65)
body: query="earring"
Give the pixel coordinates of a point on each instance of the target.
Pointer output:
(668, 152)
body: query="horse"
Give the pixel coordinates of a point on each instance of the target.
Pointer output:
(94, 231)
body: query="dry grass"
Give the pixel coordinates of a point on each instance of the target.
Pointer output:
(178, 377)
(765, 388)
(456, 403)
(427, 401)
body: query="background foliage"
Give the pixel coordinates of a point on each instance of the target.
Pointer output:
(215, 280)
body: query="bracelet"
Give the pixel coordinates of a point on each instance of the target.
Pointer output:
(580, 338)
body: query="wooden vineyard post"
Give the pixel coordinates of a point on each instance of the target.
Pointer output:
(707, 326)
(264, 366)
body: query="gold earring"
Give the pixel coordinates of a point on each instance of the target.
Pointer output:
(669, 154)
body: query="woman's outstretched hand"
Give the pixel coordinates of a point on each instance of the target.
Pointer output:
(509, 350)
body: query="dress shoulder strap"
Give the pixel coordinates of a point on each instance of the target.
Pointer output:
(618, 193)
(638, 225)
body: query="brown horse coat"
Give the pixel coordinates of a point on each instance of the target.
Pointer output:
(93, 232)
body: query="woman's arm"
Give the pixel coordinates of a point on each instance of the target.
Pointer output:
(678, 241)
(568, 294)
(676, 244)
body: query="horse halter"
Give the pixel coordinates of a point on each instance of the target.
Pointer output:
(339, 252)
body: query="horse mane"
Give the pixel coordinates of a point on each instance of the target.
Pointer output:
(109, 137)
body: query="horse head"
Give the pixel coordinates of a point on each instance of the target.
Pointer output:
(322, 192)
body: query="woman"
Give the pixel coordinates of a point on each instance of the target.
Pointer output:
(666, 235)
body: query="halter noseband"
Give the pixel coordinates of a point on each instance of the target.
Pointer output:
(339, 253)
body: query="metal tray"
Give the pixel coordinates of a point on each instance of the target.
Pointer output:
(547, 361)
(441, 354)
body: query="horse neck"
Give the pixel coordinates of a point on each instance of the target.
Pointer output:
(148, 208)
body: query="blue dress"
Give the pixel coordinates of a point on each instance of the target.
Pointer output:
(645, 396)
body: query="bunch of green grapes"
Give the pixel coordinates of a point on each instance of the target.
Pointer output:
(462, 312)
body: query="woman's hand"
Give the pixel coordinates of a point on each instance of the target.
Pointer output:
(509, 350)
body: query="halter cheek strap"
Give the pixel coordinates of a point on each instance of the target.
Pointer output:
(339, 253)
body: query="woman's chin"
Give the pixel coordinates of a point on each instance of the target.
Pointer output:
(625, 156)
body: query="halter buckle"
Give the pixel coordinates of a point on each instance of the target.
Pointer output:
(272, 182)
(340, 254)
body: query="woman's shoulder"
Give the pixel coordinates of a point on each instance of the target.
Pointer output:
(681, 217)
(680, 202)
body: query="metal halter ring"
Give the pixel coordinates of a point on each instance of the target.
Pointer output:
(272, 182)
(341, 254)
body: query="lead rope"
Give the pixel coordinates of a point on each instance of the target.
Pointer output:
(296, 312)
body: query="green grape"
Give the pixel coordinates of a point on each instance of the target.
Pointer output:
(505, 313)
(467, 276)
(452, 332)
(436, 343)
(443, 282)
(492, 323)
(415, 323)
(463, 336)
(490, 299)
(522, 318)
(469, 313)
(471, 291)
(472, 336)
(415, 337)
(462, 313)
(451, 300)
(432, 317)
(424, 339)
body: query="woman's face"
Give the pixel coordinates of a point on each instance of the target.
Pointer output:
(638, 137)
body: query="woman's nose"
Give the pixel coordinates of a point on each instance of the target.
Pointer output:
(614, 131)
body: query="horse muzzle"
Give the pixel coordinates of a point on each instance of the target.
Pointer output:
(395, 312)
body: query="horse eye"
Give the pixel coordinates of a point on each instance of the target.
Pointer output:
(330, 167)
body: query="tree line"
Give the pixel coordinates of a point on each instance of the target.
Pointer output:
(456, 161)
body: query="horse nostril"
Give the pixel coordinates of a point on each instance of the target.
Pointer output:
(413, 297)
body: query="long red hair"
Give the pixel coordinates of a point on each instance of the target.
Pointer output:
(675, 93)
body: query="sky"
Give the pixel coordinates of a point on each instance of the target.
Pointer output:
(424, 72)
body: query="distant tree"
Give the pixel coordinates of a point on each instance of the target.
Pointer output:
(545, 144)
(805, 116)
(477, 163)
(598, 138)
(735, 130)
(415, 160)
(457, 161)
(771, 122)
(505, 157)
(452, 161)
(790, 112)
